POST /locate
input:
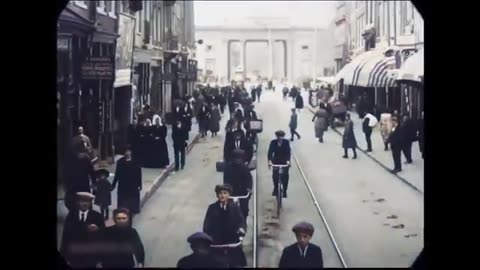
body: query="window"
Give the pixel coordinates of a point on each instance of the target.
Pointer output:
(138, 22)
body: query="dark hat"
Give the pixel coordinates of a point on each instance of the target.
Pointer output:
(303, 227)
(199, 237)
(280, 133)
(85, 196)
(225, 187)
(101, 172)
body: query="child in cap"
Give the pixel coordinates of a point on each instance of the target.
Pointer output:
(103, 189)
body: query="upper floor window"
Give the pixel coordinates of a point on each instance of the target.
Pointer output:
(83, 4)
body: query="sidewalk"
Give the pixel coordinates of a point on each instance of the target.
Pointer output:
(411, 174)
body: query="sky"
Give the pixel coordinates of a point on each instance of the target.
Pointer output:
(300, 13)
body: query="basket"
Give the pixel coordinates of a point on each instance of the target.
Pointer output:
(256, 126)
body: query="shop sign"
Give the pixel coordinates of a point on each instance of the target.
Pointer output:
(98, 68)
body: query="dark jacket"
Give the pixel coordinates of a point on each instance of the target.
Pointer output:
(238, 176)
(129, 177)
(291, 257)
(198, 261)
(349, 140)
(299, 102)
(365, 125)
(409, 131)
(187, 116)
(75, 233)
(279, 154)
(81, 175)
(396, 138)
(103, 193)
(293, 121)
(222, 225)
(128, 243)
(230, 145)
(179, 136)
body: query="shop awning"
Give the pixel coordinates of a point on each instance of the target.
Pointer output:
(346, 72)
(412, 69)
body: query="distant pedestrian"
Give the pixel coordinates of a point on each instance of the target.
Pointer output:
(285, 92)
(159, 149)
(396, 143)
(321, 122)
(369, 122)
(133, 137)
(202, 256)
(102, 192)
(179, 136)
(128, 175)
(125, 245)
(410, 133)
(81, 142)
(187, 116)
(421, 135)
(349, 140)
(259, 91)
(203, 116)
(214, 121)
(293, 124)
(299, 102)
(80, 233)
(302, 254)
(253, 93)
(385, 128)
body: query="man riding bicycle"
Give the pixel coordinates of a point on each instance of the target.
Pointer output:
(238, 176)
(225, 223)
(279, 154)
(202, 256)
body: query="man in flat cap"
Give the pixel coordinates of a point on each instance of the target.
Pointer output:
(202, 256)
(238, 141)
(81, 230)
(302, 254)
(224, 222)
(279, 154)
(238, 176)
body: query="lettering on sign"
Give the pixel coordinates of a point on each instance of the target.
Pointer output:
(98, 68)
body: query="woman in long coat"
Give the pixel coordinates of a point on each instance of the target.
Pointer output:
(128, 175)
(299, 101)
(214, 121)
(385, 127)
(203, 116)
(321, 122)
(349, 140)
(159, 148)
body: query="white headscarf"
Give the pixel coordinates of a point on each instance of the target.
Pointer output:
(155, 117)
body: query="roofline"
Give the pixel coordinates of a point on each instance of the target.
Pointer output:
(239, 28)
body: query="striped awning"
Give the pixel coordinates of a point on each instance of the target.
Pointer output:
(346, 72)
(372, 72)
(412, 69)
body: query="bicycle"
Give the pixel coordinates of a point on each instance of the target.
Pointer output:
(225, 248)
(279, 185)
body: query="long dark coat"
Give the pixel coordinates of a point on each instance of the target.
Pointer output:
(81, 174)
(214, 121)
(122, 237)
(75, 233)
(293, 121)
(291, 257)
(396, 138)
(223, 227)
(410, 131)
(129, 177)
(142, 144)
(321, 122)
(349, 140)
(299, 102)
(103, 193)
(187, 116)
(203, 115)
(253, 93)
(245, 145)
(159, 148)
(238, 176)
(132, 139)
(198, 261)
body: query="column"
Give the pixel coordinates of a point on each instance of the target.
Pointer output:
(243, 58)
(270, 53)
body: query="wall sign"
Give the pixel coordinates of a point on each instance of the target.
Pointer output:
(98, 68)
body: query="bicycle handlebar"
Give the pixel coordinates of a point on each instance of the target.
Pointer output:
(240, 197)
(232, 245)
(280, 165)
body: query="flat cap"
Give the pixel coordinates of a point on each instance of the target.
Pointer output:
(102, 172)
(280, 133)
(303, 227)
(225, 187)
(85, 195)
(198, 237)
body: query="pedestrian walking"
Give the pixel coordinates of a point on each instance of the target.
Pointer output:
(187, 117)
(143, 140)
(238, 142)
(80, 177)
(214, 121)
(421, 135)
(133, 137)
(293, 124)
(202, 256)
(159, 148)
(369, 122)
(302, 254)
(321, 122)
(299, 102)
(179, 136)
(259, 92)
(385, 127)
(128, 175)
(238, 176)
(349, 140)
(203, 117)
(396, 141)
(285, 92)
(81, 143)
(222, 100)
(80, 231)
(103, 192)
(253, 93)
(410, 133)
(123, 242)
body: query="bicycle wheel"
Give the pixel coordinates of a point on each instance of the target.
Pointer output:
(279, 198)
